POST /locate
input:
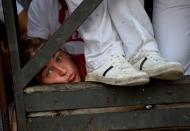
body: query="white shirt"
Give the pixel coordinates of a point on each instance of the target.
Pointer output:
(43, 21)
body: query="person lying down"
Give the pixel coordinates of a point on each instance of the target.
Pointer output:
(62, 68)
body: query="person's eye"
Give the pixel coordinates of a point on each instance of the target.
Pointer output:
(59, 58)
(49, 72)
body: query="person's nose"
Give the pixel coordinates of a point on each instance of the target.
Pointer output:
(60, 70)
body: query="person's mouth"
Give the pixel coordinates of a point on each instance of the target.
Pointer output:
(72, 77)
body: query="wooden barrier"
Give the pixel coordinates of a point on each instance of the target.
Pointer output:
(90, 106)
(98, 107)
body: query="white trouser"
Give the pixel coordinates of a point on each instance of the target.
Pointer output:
(101, 39)
(133, 25)
(171, 20)
(115, 27)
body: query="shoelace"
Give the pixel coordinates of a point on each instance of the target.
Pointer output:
(149, 54)
(137, 57)
(154, 56)
(120, 62)
(117, 59)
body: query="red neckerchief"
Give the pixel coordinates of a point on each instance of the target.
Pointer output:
(62, 11)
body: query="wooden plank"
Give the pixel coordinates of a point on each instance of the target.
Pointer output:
(9, 8)
(93, 95)
(3, 97)
(105, 110)
(146, 119)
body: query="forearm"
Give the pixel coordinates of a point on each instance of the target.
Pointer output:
(22, 18)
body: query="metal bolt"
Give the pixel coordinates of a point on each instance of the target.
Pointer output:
(148, 107)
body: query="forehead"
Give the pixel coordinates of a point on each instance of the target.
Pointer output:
(60, 52)
(55, 59)
(59, 57)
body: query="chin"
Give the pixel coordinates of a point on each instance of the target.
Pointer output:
(77, 79)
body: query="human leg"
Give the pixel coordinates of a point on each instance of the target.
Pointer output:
(103, 50)
(172, 26)
(135, 30)
(132, 25)
(98, 34)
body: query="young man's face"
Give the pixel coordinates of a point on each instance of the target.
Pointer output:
(60, 69)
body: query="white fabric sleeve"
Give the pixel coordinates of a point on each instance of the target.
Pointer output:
(38, 25)
(19, 8)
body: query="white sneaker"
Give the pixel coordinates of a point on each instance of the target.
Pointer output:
(156, 66)
(118, 72)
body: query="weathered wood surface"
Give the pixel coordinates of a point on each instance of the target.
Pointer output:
(143, 119)
(93, 95)
(3, 97)
(159, 105)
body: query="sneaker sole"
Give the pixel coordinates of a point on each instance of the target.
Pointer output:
(133, 81)
(172, 72)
